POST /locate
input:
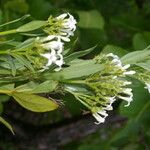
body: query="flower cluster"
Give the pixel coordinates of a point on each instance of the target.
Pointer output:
(106, 87)
(110, 84)
(54, 43)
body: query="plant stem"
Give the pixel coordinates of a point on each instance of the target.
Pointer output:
(5, 92)
(4, 52)
(8, 32)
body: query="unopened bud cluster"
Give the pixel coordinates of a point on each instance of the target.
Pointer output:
(107, 86)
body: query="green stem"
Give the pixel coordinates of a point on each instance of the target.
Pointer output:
(8, 32)
(7, 51)
(5, 92)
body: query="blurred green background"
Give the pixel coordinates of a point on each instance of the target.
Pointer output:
(117, 26)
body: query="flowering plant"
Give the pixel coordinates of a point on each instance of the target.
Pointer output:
(43, 64)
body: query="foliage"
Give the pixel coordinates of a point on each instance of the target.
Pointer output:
(120, 27)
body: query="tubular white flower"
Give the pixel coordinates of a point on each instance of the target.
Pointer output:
(112, 55)
(108, 107)
(126, 66)
(147, 87)
(54, 45)
(128, 99)
(131, 72)
(62, 16)
(127, 83)
(68, 24)
(117, 62)
(48, 38)
(100, 116)
(54, 58)
(111, 99)
(127, 91)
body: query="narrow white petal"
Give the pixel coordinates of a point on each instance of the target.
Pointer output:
(129, 72)
(62, 16)
(126, 83)
(128, 99)
(147, 87)
(98, 118)
(126, 66)
(112, 55)
(48, 38)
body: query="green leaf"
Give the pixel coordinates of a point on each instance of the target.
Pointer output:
(5, 72)
(7, 87)
(14, 21)
(129, 130)
(12, 65)
(46, 87)
(10, 42)
(34, 103)
(27, 43)
(75, 71)
(23, 61)
(77, 88)
(145, 65)
(28, 87)
(33, 25)
(91, 19)
(31, 87)
(136, 56)
(78, 54)
(6, 124)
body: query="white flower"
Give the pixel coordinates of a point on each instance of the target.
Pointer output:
(48, 38)
(108, 107)
(127, 83)
(62, 16)
(117, 62)
(127, 91)
(100, 116)
(112, 55)
(128, 97)
(68, 25)
(147, 87)
(131, 72)
(126, 67)
(54, 58)
(111, 99)
(54, 45)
